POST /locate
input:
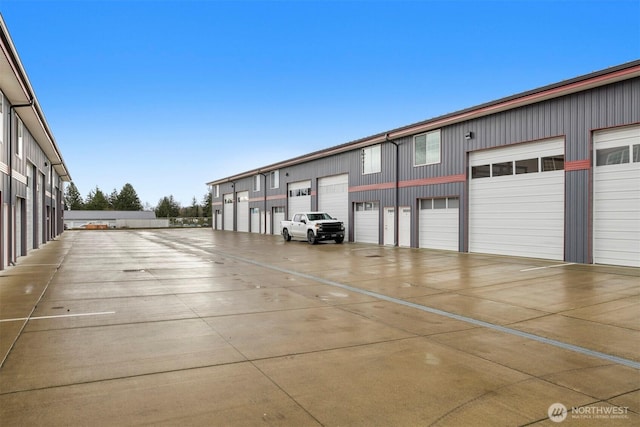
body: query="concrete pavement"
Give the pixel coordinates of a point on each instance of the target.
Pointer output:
(202, 327)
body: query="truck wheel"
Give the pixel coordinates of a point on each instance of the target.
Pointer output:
(311, 238)
(339, 240)
(285, 235)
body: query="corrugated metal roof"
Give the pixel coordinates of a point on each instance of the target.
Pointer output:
(108, 215)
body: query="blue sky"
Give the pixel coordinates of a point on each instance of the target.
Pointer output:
(168, 95)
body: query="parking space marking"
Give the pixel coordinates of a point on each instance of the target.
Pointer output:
(101, 313)
(548, 266)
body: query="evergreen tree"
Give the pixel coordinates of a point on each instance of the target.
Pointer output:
(72, 198)
(113, 199)
(167, 208)
(96, 200)
(194, 211)
(127, 199)
(206, 205)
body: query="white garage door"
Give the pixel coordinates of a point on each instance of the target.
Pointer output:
(616, 197)
(366, 217)
(516, 200)
(299, 197)
(439, 224)
(333, 198)
(278, 215)
(242, 223)
(228, 211)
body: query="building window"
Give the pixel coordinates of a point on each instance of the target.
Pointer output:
(300, 192)
(20, 138)
(481, 171)
(526, 166)
(216, 191)
(274, 179)
(612, 156)
(256, 183)
(500, 169)
(552, 163)
(426, 148)
(371, 159)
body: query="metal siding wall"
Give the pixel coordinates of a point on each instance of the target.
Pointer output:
(577, 214)
(573, 117)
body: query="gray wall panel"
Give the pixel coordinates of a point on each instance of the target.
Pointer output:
(573, 117)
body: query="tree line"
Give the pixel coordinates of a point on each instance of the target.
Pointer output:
(127, 200)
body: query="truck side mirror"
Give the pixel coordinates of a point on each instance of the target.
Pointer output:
(304, 221)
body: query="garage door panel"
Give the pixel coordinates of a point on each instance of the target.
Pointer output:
(333, 197)
(518, 214)
(438, 227)
(616, 201)
(367, 224)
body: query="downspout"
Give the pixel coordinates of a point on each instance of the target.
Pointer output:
(396, 217)
(11, 255)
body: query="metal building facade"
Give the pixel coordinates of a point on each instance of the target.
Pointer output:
(32, 169)
(571, 110)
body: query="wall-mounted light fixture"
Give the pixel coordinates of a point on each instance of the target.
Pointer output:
(46, 164)
(468, 135)
(286, 174)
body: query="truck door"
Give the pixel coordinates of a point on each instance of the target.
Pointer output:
(299, 227)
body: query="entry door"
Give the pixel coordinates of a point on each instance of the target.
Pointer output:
(255, 220)
(218, 219)
(242, 222)
(228, 212)
(404, 227)
(389, 226)
(278, 215)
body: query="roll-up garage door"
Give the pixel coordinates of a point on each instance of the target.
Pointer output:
(439, 224)
(228, 211)
(242, 223)
(333, 198)
(616, 197)
(278, 215)
(299, 197)
(516, 200)
(367, 223)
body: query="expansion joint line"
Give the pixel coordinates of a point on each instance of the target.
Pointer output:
(566, 346)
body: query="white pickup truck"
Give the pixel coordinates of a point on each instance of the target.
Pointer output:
(314, 227)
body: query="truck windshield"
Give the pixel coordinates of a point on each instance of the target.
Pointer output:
(318, 216)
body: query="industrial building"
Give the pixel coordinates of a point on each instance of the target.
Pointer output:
(32, 170)
(87, 219)
(551, 173)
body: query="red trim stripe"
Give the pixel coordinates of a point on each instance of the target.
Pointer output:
(413, 183)
(384, 186)
(432, 181)
(577, 165)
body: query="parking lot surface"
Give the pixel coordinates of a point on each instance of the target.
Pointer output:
(202, 327)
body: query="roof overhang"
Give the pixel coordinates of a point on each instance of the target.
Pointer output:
(17, 88)
(600, 78)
